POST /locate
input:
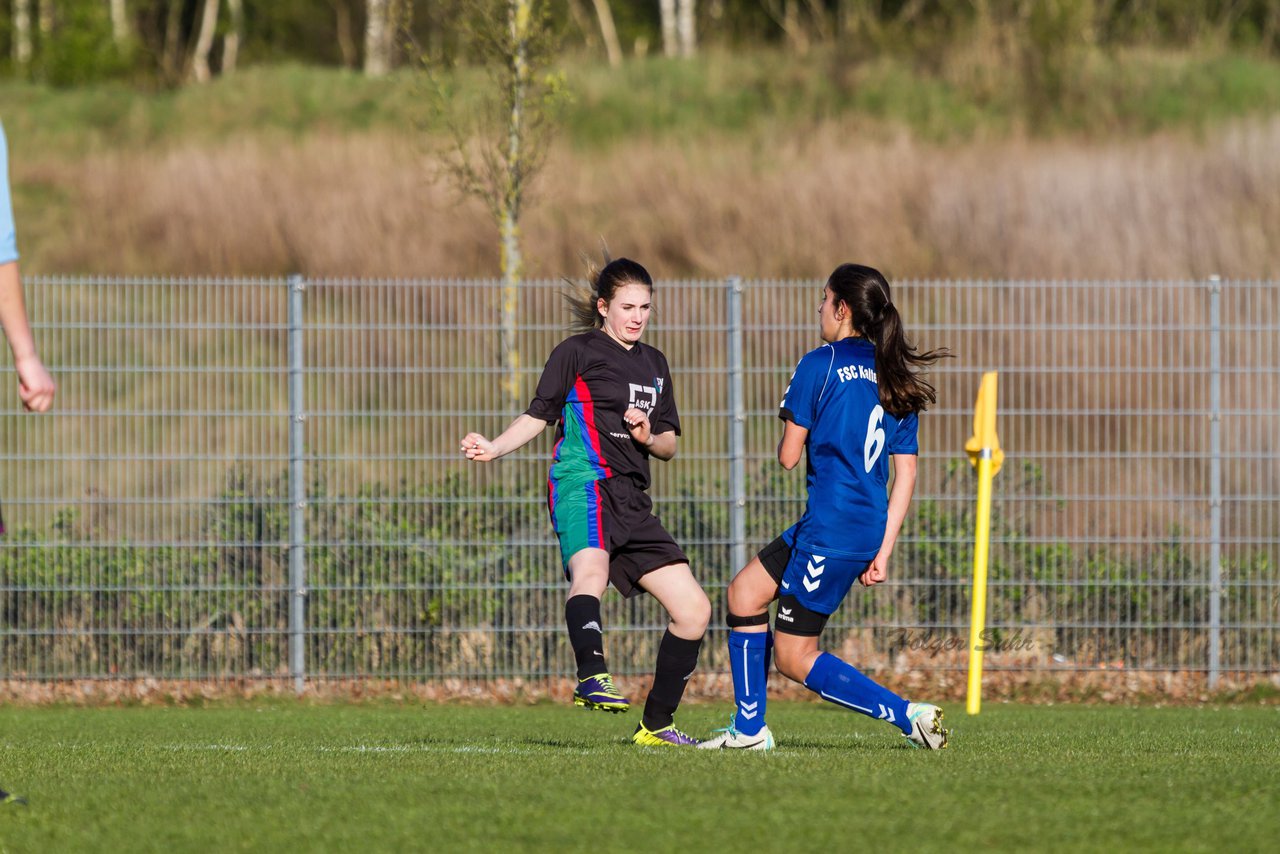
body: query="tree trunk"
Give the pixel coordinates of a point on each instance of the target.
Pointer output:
(22, 33)
(377, 60)
(687, 22)
(670, 44)
(608, 32)
(172, 58)
(120, 31)
(1271, 28)
(794, 28)
(512, 272)
(520, 14)
(399, 14)
(204, 42)
(346, 33)
(231, 43)
(45, 20)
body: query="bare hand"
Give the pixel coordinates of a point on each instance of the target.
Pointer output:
(877, 572)
(478, 448)
(638, 424)
(35, 385)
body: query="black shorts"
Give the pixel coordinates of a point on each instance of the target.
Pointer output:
(793, 618)
(616, 515)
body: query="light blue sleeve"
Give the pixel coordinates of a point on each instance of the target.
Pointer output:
(8, 236)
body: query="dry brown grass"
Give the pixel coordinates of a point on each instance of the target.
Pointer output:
(1107, 686)
(1165, 207)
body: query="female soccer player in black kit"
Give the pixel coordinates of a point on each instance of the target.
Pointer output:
(612, 400)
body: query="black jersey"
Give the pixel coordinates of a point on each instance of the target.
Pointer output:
(589, 381)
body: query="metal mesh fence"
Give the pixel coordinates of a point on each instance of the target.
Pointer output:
(260, 478)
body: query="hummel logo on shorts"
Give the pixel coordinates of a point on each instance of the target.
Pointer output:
(593, 625)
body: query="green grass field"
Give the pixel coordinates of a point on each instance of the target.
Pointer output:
(276, 775)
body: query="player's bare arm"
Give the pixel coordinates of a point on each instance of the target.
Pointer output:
(904, 484)
(35, 385)
(522, 431)
(791, 446)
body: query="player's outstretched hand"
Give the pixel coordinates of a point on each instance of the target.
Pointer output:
(478, 448)
(638, 424)
(35, 384)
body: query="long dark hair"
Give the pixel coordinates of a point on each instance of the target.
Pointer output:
(866, 292)
(602, 284)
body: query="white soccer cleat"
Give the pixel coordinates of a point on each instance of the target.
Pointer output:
(926, 726)
(731, 739)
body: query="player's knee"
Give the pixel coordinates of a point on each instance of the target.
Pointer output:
(742, 600)
(691, 616)
(791, 663)
(698, 613)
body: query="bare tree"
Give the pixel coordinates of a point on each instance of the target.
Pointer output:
(787, 16)
(172, 57)
(608, 32)
(231, 42)
(495, 151)
(670, 44)
(686, 23)
(45, 20)
(121, 32)
(22, 33)
(377, 38)
(204, 42)
(346, 33)
(679, 27)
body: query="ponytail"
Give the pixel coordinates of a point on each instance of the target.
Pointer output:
(902, 389)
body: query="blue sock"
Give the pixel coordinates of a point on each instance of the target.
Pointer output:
(747, 660)
(768, 656)
(832, 679)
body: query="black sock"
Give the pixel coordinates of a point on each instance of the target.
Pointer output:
(677, 659)
(582, 616)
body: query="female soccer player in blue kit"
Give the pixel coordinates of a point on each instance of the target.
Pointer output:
(853, 403)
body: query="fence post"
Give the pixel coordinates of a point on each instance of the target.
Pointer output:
(737, 429)
(1215, 480)
(297, 491)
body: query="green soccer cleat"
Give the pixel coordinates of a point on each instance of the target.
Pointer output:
(7, 799)
(598, 692)
(668, 736)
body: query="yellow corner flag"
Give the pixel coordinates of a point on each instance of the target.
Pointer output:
(984, 424)
(984, 452)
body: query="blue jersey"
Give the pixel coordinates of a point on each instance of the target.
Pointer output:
(8, 237)
(833, 394)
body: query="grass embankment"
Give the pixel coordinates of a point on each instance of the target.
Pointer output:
(271, 775)
(757, 164)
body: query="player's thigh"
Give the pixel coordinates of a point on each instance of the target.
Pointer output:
(680, 593)
(588, 572)
(752, 589)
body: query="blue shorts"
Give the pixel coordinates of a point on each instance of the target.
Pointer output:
(819, 581)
